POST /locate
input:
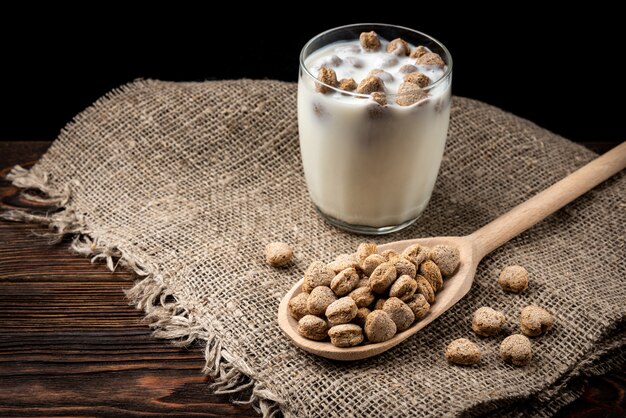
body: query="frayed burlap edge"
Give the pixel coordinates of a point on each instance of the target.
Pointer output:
(166, 314)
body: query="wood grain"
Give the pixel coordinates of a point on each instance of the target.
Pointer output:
(71, 346)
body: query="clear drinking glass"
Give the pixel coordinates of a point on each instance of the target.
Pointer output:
(371, 169)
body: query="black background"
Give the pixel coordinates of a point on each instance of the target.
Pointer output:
(557, 70)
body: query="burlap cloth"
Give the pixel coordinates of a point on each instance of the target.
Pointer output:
(186, 182)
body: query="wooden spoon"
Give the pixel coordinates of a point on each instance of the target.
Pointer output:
(472, 249)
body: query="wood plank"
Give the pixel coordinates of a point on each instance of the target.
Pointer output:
(71, 345)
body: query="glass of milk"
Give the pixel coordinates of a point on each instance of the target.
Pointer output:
(371, 168)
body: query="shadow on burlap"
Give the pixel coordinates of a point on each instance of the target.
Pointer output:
(185, 183)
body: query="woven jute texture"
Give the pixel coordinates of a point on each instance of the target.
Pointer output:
(185, 183)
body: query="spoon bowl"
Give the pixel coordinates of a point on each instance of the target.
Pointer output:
(453, 290)
(472, 249)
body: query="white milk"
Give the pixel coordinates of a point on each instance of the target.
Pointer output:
(364, 164)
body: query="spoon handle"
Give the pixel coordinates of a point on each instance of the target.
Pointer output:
(543, 204)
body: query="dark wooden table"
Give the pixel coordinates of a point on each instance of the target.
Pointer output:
(71, 346)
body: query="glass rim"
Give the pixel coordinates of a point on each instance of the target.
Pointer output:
(447, 54)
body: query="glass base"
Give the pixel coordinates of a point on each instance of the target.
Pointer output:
(364, 229)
